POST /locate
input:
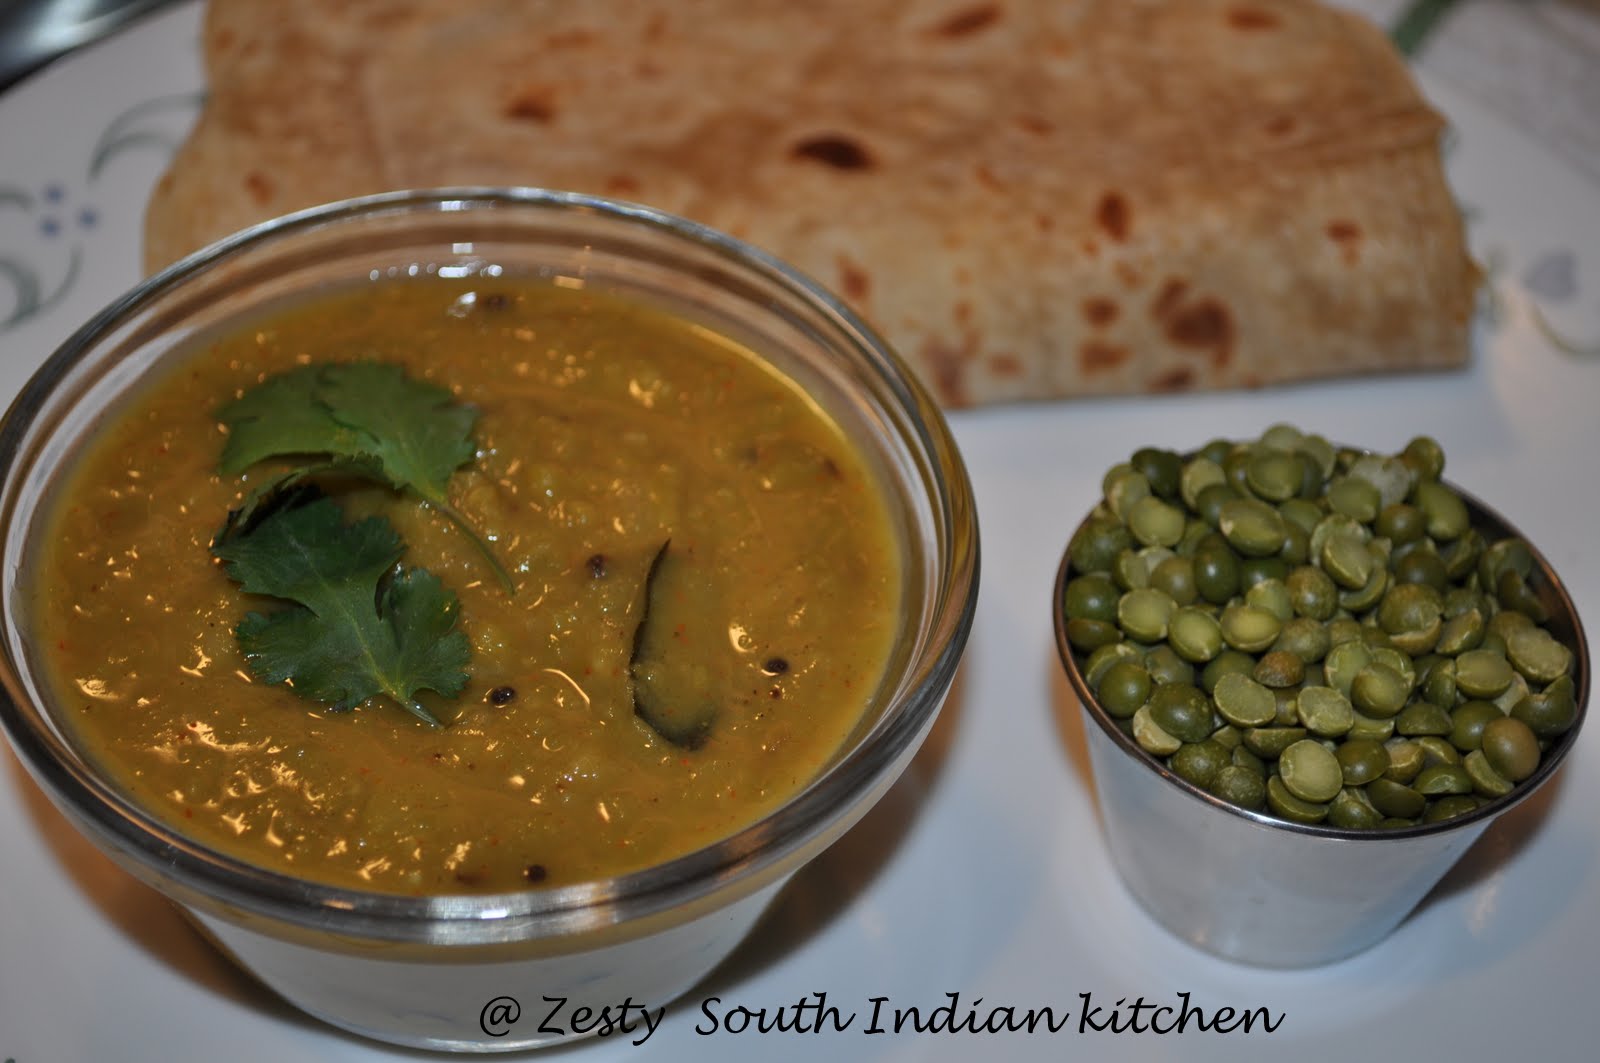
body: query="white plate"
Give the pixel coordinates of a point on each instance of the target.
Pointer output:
(983, 875)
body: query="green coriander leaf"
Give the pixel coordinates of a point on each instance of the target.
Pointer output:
(416, 431)
(423, 614)
(352, 634)
(285, 416)
(363, 418)
(306, 553)
(294, 488)
(422, 434)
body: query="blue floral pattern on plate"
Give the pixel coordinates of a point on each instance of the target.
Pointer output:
(67, 216)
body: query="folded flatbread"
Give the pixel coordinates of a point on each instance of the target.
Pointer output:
(1029, 198)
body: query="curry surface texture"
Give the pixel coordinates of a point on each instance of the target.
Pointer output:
(607, 428)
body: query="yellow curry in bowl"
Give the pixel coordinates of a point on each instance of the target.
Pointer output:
(682, 596)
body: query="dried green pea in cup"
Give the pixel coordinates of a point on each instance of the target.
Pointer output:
(1315, 631)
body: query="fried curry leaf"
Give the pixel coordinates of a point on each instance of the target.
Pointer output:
(363, 418)
(353, 632)
(676, 706)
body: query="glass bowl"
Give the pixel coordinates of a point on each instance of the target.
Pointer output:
(1256, 888)
(447, 971)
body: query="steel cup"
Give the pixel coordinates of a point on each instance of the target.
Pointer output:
(1254, 888)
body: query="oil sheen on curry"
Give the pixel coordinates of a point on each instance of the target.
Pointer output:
(706, 589)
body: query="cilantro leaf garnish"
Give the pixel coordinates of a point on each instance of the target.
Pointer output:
(294, 488)
(354, 631)
(362, 418)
